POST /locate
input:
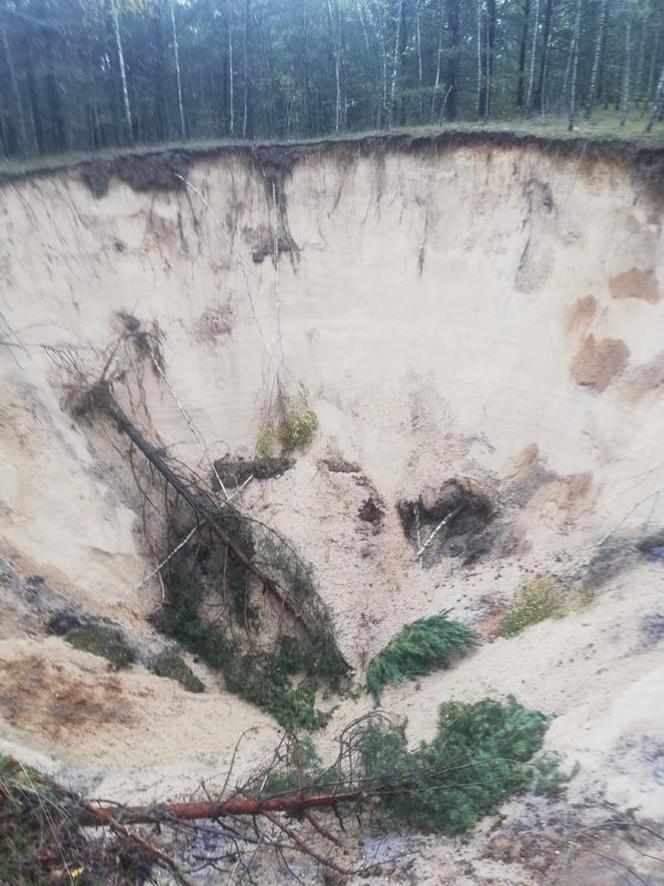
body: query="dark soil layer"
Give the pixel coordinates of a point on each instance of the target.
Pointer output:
(163, 169)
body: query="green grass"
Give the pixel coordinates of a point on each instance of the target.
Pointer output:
(102, 640)
(536, 601)
(421, 647)
(603, 126)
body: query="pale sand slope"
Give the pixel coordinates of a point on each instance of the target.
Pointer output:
(492, 313)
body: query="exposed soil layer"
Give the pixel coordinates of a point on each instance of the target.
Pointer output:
(161, 169)
(234, 471)
(450, 521)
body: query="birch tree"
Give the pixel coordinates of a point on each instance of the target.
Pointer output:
(597, 57)
(231, 82)
(574, 56)
(533, 54)
(625, 90)
(658, 103)
(178, 75)
(126, 104)
(21, 133)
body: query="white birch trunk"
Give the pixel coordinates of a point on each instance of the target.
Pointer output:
(123, 73)
(624, 92)
(597, 57)
(395, 66)
(656, 109)
(575, 67)
(533, 53)
(231, 81)
(178, 75)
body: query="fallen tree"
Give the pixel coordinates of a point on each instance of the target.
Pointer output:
(102, 399)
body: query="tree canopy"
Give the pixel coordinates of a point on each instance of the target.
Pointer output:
(77, 75)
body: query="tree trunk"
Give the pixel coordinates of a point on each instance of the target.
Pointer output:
(480, 8)
(454, 30)
(418, 38)
(336, 30)
(653, 65)
(231, 80)
(625, 89)
(489, 47)
(657, 104)
(533, 54)
(538, 101)
(638, 75)
(245, 69)
(21, 132)
(575, 67)
(439, 54)
(294, 803)
(597, 57)
(102, 399)
(395, 66)
(123, 75)
(178, 76)
(523, 48)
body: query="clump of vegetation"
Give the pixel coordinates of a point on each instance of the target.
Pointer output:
(104, 640)
(169, 663)
(289, 426)
(482, 755)
(536, 601)
(41, 843)
(261, 676)
(421, 647)
(479, 758)
(656, 540)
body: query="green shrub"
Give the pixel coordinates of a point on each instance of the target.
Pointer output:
(419, 648)
(103, 640)
(535, 602)
(288, 426)
(169, 663)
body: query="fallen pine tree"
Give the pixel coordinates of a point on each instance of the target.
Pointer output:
(482, 754)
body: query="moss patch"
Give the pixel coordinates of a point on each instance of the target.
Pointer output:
(103, 640)
(536, 601)
(169, 663)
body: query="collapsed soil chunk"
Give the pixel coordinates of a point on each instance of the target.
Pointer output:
(235, 471)
(448, 522)
(372, 512)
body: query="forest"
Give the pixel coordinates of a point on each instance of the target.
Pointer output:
(81, 75)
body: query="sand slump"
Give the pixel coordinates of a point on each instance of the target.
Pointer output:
(471, 320)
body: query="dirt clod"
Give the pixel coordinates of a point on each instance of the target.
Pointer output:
(234, 471)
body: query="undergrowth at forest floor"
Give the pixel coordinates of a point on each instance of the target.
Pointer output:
(421, 647)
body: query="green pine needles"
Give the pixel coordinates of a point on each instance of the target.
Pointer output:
(419, 648)
(481, 756)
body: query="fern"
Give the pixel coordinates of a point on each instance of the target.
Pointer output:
(419, 648)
